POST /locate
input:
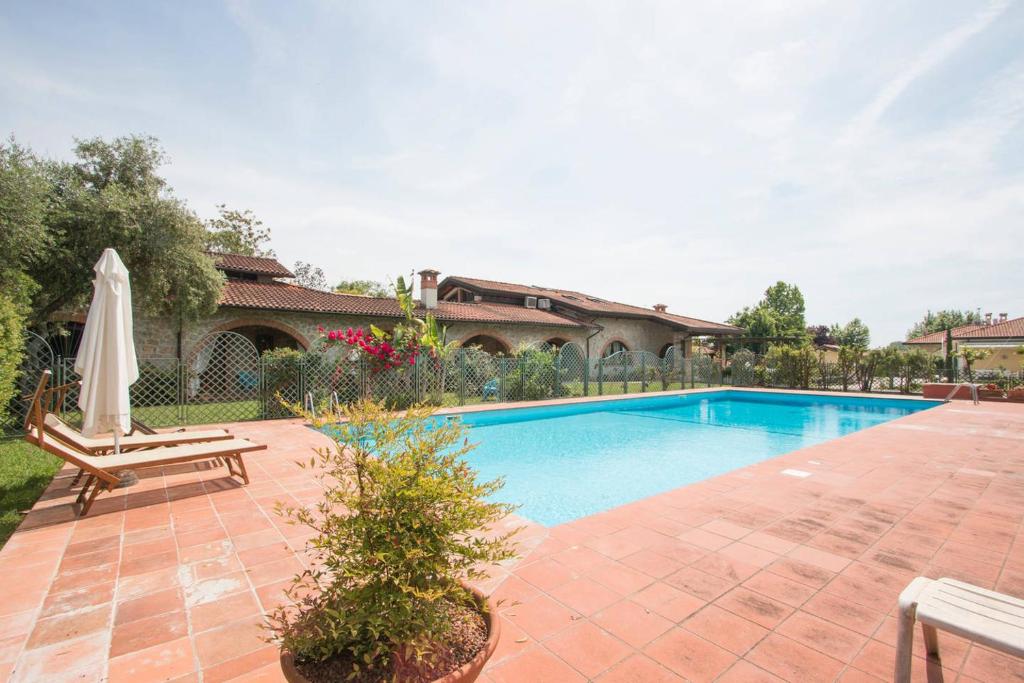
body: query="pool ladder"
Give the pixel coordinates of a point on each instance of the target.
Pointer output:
(974, 392)
(333, 405)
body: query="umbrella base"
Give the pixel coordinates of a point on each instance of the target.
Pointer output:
(128, 478)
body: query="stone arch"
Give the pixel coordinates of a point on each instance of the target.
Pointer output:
(285, 328)
(664, 350)
(607, 350)
(491, 342)
(557, 342)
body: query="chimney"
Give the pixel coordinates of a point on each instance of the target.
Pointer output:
(988, 318)
(1002, 317)
(428, 287)
(660, 308)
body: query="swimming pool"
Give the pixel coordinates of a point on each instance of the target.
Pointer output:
(567, 461)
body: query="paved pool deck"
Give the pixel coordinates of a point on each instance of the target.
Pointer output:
(754, 575)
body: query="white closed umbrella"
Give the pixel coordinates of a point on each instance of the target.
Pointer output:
(106, 358)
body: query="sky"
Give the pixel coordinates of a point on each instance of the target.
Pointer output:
(683, 153)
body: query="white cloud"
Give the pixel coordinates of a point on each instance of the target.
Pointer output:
(685, 153)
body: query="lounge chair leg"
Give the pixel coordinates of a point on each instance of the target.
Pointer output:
(931, 641)
(92, 496)
(78, 477)
(85, 488)
(904, 647)
(241, 467)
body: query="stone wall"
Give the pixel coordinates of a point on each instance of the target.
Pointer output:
(157, 337)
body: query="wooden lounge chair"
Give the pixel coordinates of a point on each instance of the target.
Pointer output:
(992, 619)
(102, 469)
(133, 442)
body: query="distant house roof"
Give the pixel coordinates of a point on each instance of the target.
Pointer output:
(257, 265)
(589, 304)
(1008, 329)
(283, 296)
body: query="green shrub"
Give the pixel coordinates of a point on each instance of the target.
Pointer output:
(795, 367)
(533, 378)
(397, 530)
(11, 343)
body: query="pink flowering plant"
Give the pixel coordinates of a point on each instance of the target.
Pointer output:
(403, 346)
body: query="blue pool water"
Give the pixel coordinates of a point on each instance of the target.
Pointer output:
(568, 461)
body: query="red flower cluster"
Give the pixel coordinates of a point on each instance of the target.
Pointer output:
(380, 350)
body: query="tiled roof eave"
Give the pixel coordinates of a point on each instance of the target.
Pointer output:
(447, 319)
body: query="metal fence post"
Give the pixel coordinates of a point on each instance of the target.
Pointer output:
(600, 376)
(557, 389)
(586, 375)
(462, 376)
(643, 373)
(625, 375)
(522, 377)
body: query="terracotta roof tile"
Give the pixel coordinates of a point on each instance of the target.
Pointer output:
(287, 297)
(1008, 329)
(592, 305)
(258, 265)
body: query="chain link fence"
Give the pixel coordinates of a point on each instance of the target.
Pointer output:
(225, 379)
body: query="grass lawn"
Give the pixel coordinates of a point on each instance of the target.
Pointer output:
(25, 471)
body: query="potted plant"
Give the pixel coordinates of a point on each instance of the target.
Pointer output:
(402, 528)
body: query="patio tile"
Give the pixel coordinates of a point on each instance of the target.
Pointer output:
(73, 600)
(758, 608)
(546, 574)
(536, 664)
(652, 563)
(745, 672)
(671, 603)
(85, 577)
(819, 558)
(689, 656)
(277, 570)
(541, 617)
(792, 661)
(584, 595)
(705, 586)
(147, 632)
(725, 629)
(229, 641)
(704, 539)
(620, 578)
(824, 636)
(513, 641)
(150, 605)
(163, 662)
(638, 669)
(801, 572)
(632, 622)
(81, 659)
(987, 665)
(69, 626)
(149, 563)
(863, 620)
(219, 612)
(725, 566)
(587, 648)
(727, 529)
(779, 588)
(244, 667)
(202, 592)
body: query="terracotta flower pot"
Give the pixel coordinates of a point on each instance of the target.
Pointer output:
(467, 673)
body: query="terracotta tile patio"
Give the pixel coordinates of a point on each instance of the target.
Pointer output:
(750, 576)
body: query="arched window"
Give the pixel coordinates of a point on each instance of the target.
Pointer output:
(487, 343)
(557, 342)
(614, 347)
(664, 350)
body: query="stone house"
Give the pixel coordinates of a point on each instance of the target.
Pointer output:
(1001, 336)
(259, 303)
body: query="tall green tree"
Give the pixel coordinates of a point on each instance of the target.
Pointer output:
(779, 314)
(943, 320)
(854, 334)
(112, 195)
(364, 288)
(237, 232)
